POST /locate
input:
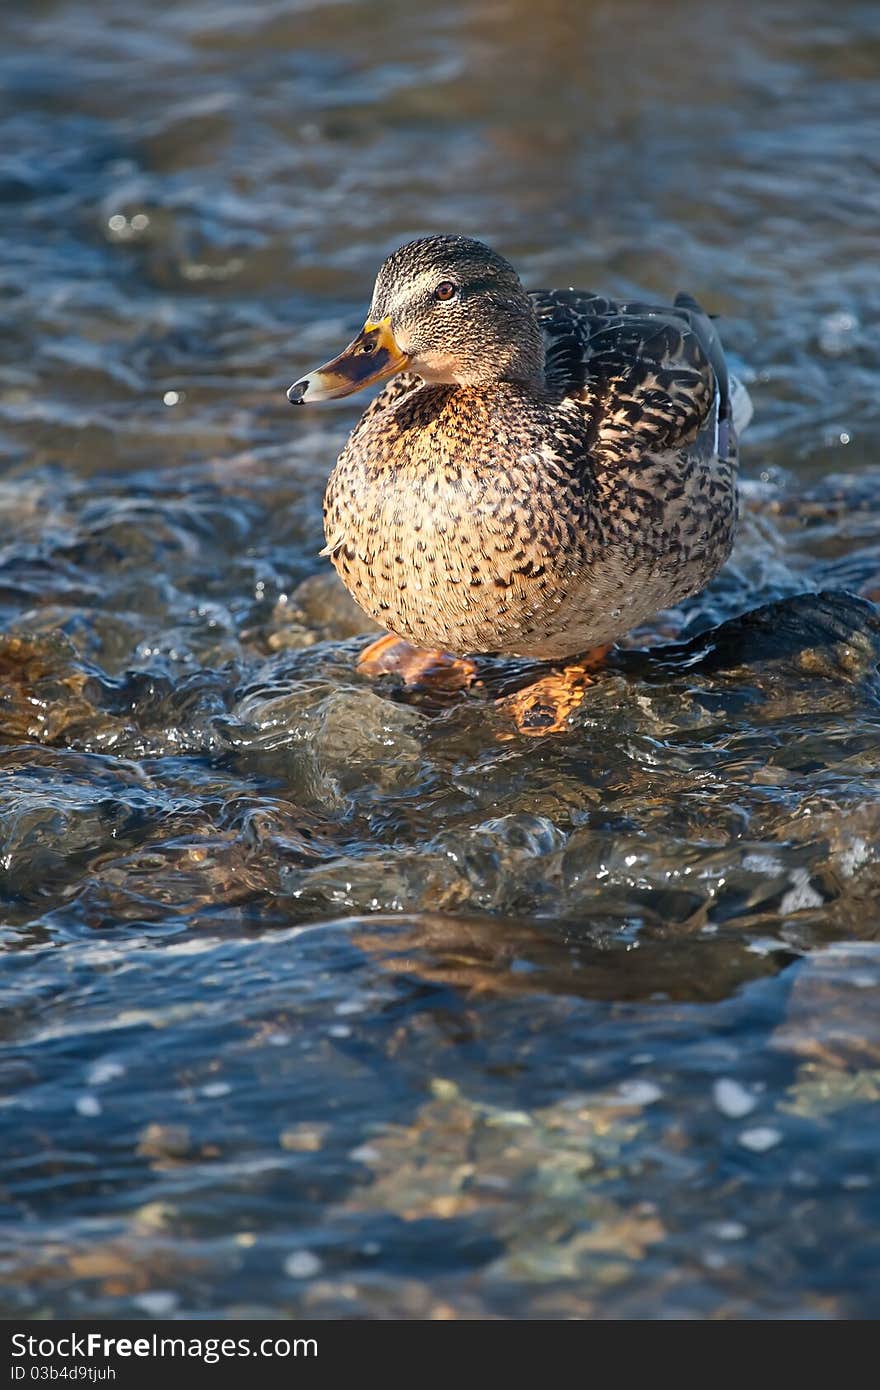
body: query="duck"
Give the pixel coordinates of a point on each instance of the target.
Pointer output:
(542, 472)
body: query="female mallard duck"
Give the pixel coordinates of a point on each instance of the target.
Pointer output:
(547, 470)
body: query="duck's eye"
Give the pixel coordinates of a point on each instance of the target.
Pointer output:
(445, 290)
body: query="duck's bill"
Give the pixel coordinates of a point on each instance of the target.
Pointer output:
(373, 356)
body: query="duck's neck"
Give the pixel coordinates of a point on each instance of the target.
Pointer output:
(525, 364)
(513, 353)
(519, 356)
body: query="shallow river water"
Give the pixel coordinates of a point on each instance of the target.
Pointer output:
(320, 1002)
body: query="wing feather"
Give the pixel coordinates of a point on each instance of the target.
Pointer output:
(652, 378)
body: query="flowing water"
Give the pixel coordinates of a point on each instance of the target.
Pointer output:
(321, 1002)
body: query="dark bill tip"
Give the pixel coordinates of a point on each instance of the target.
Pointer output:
(298, 390)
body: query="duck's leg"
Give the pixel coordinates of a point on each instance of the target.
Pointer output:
(544, 706)
(390, 654)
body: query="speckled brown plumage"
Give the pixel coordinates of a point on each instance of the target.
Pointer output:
(545, 515)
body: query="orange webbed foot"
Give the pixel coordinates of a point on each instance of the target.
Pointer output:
(545, 706)
(417, 667)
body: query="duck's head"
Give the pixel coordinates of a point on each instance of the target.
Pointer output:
(446, 308)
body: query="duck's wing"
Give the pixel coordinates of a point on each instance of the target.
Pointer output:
(651, 378)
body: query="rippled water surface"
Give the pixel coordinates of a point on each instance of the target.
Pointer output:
(317, 1001)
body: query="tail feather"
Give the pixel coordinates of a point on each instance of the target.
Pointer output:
(741, 408)
(735, 403)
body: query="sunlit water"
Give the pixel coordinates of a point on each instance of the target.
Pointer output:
(319, 1002)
